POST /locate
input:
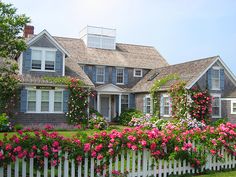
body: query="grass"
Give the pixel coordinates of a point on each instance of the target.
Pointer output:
(221, 174)
(73, 132)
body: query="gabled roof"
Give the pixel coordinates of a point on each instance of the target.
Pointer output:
(125, 55)
(51, 38)
(110, 88)
(188, 71)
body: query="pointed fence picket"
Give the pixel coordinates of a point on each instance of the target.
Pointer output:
(137, 163)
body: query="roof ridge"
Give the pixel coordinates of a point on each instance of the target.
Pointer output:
(135, 44)
(191, 61)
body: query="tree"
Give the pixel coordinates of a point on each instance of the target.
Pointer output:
(11, 26)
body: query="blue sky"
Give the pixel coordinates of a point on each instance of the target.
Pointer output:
(181, 30)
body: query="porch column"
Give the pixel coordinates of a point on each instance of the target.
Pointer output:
(98, 102)
(119, 104)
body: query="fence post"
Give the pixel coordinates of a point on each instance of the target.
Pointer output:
(66, 165)
(144, 162)
(45, 171)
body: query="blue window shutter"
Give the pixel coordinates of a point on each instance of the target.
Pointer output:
(106, 74)
(26, 61)
(58, 63)
(144, 105)
(209, 79)
(126, 76)
(131, 100)
(94, 73)
(113, 75)
(23, 100)
(162, 105)
(222, 79)
(86, 69)
(65, 100)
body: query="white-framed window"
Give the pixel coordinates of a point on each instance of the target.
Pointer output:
(215, 78)
(124, 102)
(138, 73)
(216, 105)
(44, 101)
(43, 59)
(166, 105)
(120, 75)
(100, 74)
(233, 106)
(58, 101)
(147, 105)
(31, 100)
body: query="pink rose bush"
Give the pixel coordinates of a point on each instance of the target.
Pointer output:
(171, 142)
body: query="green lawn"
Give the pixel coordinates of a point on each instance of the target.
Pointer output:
(221, 174)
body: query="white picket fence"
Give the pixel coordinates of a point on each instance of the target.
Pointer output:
(138, 164)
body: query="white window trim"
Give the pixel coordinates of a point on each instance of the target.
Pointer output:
(123, 76)
(217, 95)
(215, 68)
(38, 101)
(43, 49)
(165, 95)
(100, 67)
(232, 103)
(138, 75)
(151, 106)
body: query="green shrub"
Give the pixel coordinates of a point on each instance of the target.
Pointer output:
(5, 124)
(127, 115)
(93, 111)
(18, 127)
(219, 121)
(97, 122)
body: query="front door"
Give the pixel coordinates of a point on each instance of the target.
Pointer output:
(105, 106)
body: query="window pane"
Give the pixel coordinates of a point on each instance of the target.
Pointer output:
(166, 101)
(216, 102)
(100, 78)
(36, 55)
(148, 110)
(45, 96)
(100, 74)
(58, 96)
(166, 110)
(36, 64)
(215, 111)
(32, 106)
(49, 65)
(57, 106)
(31, 95)
(138, 72)
(44, 106)
(50, 55)
(215, 73)
(124, 102)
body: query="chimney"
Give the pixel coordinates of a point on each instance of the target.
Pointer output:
(28, 31)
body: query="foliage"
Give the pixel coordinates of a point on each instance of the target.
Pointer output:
(126, 116)
(189, 123)
(65, 80)
(78, 101)
(156, 87)
(5, 124)
(170, 143)
(18, 127)
(8, 86)
(11, 25)
(218, 122)
(97, 122)
(94, 111)
(179, 100)
(200, 107)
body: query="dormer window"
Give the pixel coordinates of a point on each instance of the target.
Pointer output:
(138, 73)
(43, 59)
(216, 78)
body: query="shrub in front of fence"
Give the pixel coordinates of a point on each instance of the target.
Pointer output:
(169, 143)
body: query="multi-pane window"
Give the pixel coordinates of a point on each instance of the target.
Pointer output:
(32, 100)
(45, 101)
(36, 59)
(57, 101)
(100, 74)
(233, 107)
(215, 78)
(43, 59)
(120, 75)
(166, 105)
(50, 60)
(138, 72)
(124, 102)
(216, 106)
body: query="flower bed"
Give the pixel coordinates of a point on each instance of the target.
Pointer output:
(177, 140)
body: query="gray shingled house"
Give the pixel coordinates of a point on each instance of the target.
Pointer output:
(119, 73)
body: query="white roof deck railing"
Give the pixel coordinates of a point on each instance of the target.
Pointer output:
(98, 31)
